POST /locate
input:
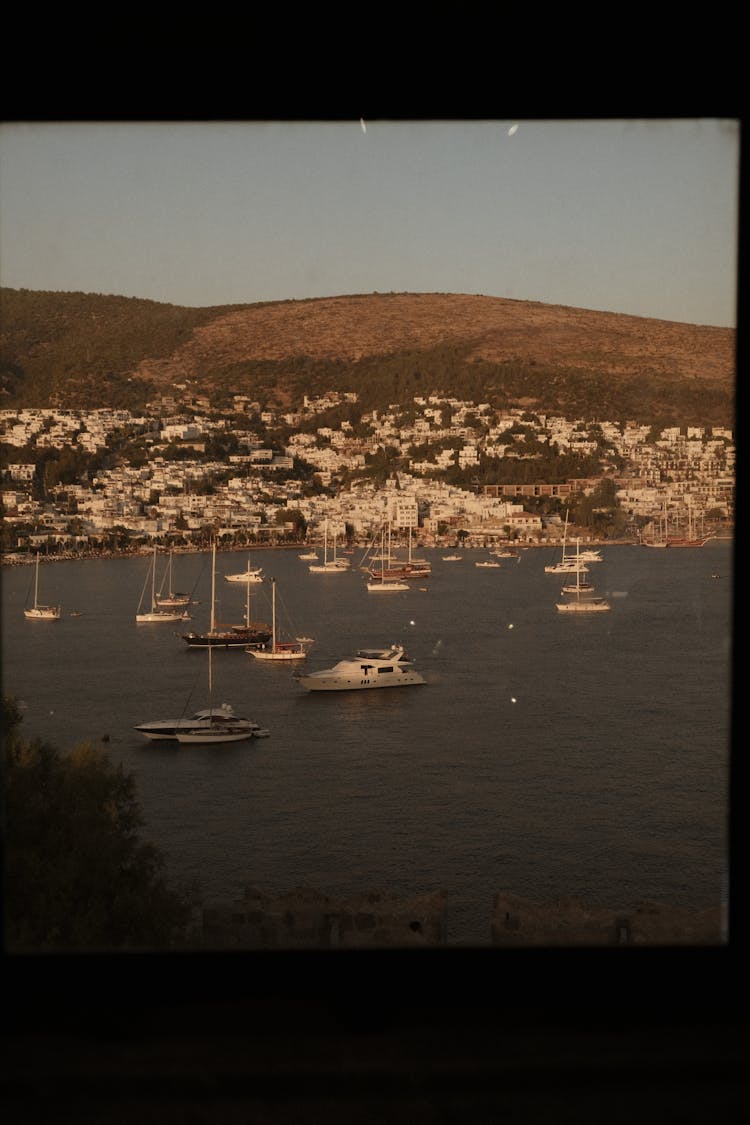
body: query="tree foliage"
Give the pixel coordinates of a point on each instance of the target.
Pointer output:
(77, 876)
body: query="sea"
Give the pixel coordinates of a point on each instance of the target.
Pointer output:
(547, 755)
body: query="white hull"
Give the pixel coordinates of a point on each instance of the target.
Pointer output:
(160, 729)
(369, 669)
(155, 616)
(216, 736)
(39, 612)
(243, 577)
(320, 681)
(386, 587)
(43, 613)
(583, 607)
(566, 568)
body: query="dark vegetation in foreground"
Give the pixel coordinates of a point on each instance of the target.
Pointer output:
(77, 877)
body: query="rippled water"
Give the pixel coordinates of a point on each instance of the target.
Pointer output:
(546, 755)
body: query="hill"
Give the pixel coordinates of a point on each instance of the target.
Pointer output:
(84, 350)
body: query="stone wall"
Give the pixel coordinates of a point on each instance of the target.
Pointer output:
(308, 919)
(305, 918)
(569, 921)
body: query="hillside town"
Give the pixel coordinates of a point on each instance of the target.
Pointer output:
(263, 489)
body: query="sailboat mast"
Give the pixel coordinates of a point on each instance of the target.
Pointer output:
(213, 588)
(273, 615)
(36, 582)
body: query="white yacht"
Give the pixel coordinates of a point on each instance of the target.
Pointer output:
(368, 668)
(208, 719)
(252, 574)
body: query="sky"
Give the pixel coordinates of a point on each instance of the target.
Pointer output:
(634, 216)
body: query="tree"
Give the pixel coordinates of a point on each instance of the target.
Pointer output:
(77, 877)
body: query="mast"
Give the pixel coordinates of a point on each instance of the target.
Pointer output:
(213, 590)
(273, 615)
(36, 582)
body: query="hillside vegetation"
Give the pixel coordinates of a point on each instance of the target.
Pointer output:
(80, 350)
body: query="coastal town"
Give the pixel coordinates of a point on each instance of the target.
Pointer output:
(78, 482)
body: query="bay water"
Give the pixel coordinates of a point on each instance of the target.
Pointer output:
(547, 754)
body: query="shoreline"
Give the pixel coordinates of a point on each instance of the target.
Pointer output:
(27, 558)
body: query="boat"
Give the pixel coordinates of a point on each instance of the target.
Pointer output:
(368, 668)
(692, 539)
(215, 726)
(488, 563)
(579, 587)
(172, 598)
(452, 558)
(658, 538)
(332, 565)
(157, 613)
(309, 556)
(167, 729)
(379, 583)
(228, 636)
(386, 586)
(392, 571)
(251, 574)
(569, 564)
(38, 612)
(505, 553)
(277, 650)
(583, 600)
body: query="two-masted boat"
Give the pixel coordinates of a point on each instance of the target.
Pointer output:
(219, 635)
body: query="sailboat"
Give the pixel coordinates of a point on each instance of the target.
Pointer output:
(161, 730)
(252, 574)
(569, 564)
(39, 612)
(220, 727)
(213, 725)
(171, 598)
(658, 539)
(399, 571)
(278, 650)
(582, 601)
(157, 613)
(332, 565)
(382, 584)
(692, 539)
(228, 636)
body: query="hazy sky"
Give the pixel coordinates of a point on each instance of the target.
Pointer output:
(632, 216)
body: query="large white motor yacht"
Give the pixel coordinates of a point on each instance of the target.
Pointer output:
(368, 668)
